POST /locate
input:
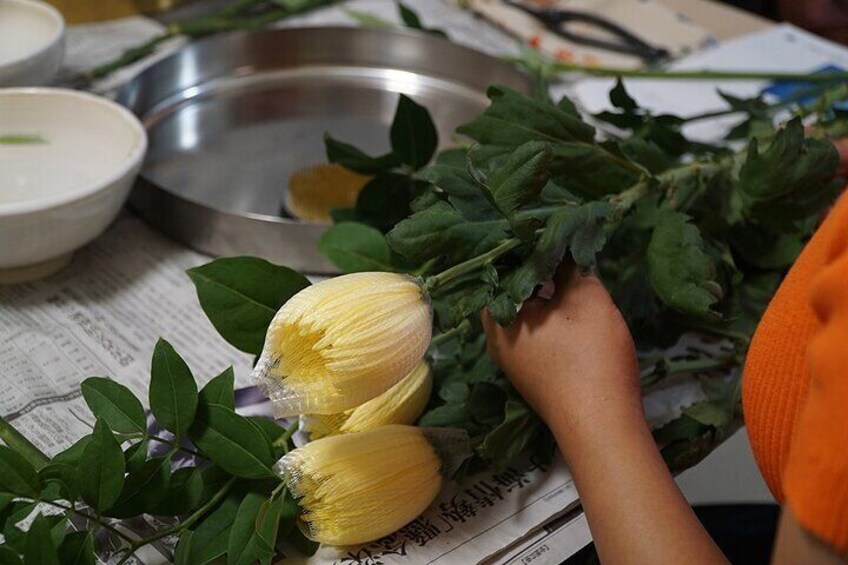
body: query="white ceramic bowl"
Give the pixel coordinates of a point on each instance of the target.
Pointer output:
(32, 42)
(59, 194)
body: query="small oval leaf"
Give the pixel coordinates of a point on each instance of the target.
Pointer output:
(17, 475)
(173, 391)
(115, 403)
(101, 468)
(232, 442)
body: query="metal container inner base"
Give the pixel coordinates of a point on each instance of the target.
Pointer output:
(233, 143)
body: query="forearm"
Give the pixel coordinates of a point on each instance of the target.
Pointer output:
(635, 511)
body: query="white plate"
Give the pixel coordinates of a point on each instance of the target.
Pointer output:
(59, 194)
(32, 42)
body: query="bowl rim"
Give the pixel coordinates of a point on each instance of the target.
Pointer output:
(45, 9)
(131, 161)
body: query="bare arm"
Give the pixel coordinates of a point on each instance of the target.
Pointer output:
(795, 545)
(574, 361)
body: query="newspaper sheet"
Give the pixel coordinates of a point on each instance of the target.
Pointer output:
(102, 316)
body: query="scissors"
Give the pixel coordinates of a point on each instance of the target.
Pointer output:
(627, 43)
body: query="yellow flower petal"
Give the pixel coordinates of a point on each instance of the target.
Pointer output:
(355, 488)
(401, 404)
(343, 341)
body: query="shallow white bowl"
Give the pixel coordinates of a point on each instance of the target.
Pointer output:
(58, 195)
(32, 42)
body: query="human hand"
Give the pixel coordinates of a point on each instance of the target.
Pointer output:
(572, 357)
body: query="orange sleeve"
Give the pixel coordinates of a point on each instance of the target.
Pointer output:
(816, 473)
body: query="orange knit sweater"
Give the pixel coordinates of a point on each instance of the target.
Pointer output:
(795, 385)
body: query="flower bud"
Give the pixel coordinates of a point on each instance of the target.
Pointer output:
(343, 341)
(401, 404)
(355, 488)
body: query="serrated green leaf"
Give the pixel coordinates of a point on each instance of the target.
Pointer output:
(101, 469)
(591, 171)
(455, 392)
(232, 442)
(441, 232)
(356, 160)
(707, 413)
(788, 181)
(240, 295)
(9, 557)
(520, 180)
(143, 489)
(17, 475)
(173, 390)
(413, 133)
(681, 273)
(114, 403)
(77, 549)
(39, 543)
(487, 403)
(513, 119)
(219, 390)
(450, 173)
(355, 247)
(254, 530)
(210, 538)
(446, 415)
(185, 493)
(504, 443)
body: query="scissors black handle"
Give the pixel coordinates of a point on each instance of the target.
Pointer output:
(629, 44)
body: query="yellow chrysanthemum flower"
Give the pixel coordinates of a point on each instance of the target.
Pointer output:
(401, 404)
(343, 341)
(355, 488)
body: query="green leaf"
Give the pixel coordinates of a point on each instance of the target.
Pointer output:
(114, 403)
(74, 453)
(240, 295)
(254, 531)
(77, 549)
(487, 403)
(220, 390)
(412, 21)
(101, 469)
(441, 232)
(413, 133)
(61, 476)
(367, 19)
(447, 415)
(17, 475)
(454, 392)
(355, 247)
(356, 160)
(184, 494)
(182, 553)
(592, 171)
(136, 455)
(39, 543)
(450, 173)
(513, 119)
(619, 97)
(681, 273)
(789, 181)
(520, 180)
(304, 545)
(173, 390)
(210, 538)
(386, 200)
(9, 557)
(707, 413)
(143, 489)
(508, 440)
(232, 442)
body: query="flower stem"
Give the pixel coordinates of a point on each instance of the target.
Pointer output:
(703, 74)
(16, 440)
(195, 516)
(283, 440)
(443, 337)
(664, 370)
(440, 279)
(90, 518)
